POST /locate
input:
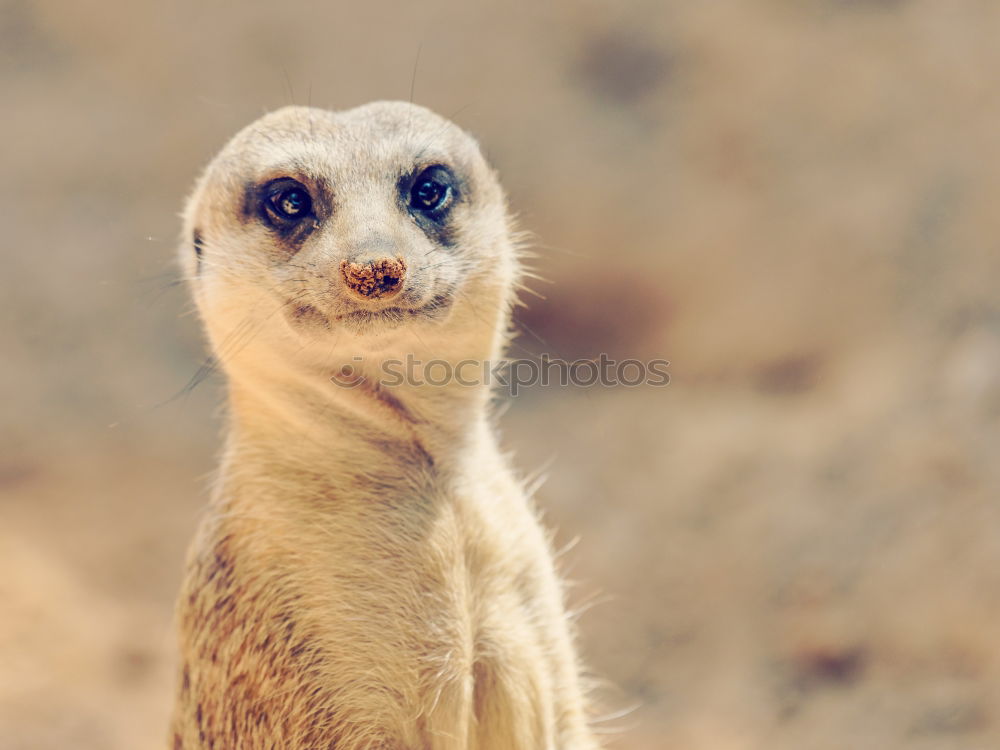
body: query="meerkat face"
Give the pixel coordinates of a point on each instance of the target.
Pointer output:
(349, 228)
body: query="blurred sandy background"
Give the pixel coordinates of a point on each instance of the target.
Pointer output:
(795, 545)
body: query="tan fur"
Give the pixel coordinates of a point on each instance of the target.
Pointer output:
(369, 573)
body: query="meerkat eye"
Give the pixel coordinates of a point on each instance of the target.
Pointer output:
(432, 191)
(289, 201)
(428, 194)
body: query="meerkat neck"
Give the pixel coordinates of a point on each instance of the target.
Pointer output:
(313, 422)
(290, 404)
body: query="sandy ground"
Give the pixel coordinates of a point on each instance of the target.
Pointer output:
(796, 544)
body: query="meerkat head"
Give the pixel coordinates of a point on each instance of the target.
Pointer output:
(314, 234)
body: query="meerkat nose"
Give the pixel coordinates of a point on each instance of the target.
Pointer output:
(376, 279)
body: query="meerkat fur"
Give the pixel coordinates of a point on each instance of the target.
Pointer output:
(369, 574)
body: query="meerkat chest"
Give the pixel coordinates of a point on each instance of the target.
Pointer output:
(407, 629)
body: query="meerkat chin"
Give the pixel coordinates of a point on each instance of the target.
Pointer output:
(370, 573)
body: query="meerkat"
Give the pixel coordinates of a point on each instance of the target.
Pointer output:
(370, 573)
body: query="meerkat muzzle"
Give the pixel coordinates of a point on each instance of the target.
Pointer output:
(377, 279)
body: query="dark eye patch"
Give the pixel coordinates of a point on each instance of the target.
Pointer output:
(432, 192)
(429, 195)
(289, 208)
(286, 202)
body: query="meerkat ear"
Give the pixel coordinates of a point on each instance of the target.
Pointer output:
(199, 245)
